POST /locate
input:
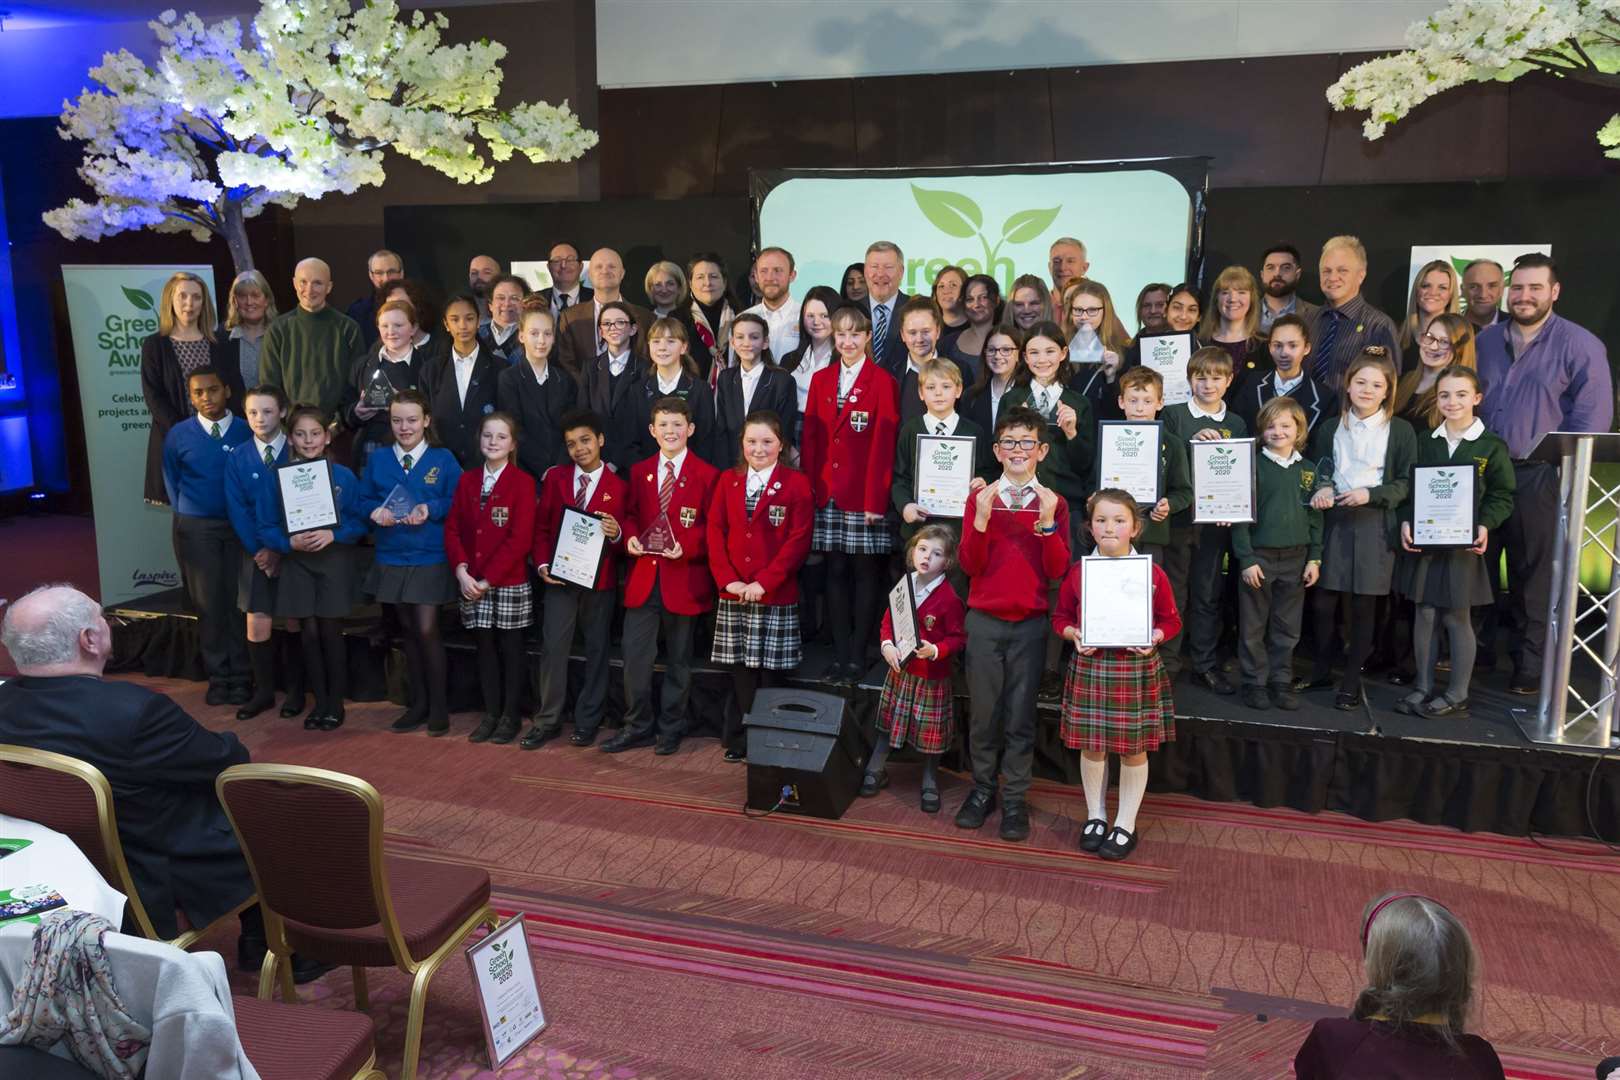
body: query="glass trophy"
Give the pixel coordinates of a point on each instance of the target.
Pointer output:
(400, 502)
(379, 391)
(659, 537)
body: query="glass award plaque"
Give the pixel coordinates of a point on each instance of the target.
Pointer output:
(400, 502)
(659, 537)
(379, 390)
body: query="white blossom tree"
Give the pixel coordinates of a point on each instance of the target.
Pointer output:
(225, 123)
(1485, 40)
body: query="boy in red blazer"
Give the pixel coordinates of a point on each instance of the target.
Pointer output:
(590, 487)
(668, 589)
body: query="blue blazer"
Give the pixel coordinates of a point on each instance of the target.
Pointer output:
(432, 481)
(249, 482)
(353, 521)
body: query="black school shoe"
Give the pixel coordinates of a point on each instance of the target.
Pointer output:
(1014, 821)
(1213, 681)
(1348, 700)
(666, 747)
(409, 720)
(1092, 834)
(538, 736)
(735, 757)
(1315, 682)
(626, 740)
(1283, 697)
(1255, 697)
(871, 785)
(484, 730)
(582, 738)
(975, 809)
(505, 731)
(1119, 845)
(218, 695)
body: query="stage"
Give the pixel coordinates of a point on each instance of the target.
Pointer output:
(1476, 774)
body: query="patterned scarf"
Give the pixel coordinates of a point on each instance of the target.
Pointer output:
(716, 338)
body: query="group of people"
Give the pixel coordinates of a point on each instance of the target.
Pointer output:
(771, 451)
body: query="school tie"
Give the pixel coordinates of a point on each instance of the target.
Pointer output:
(939, 428)
(215, 429)
(666, 490)
(269, 456)
(1323, 352)
(753, 497)
(584, 488)
(1015, 497)
(880, 313)
(405, 462)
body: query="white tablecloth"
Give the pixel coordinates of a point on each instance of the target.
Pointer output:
(52, 860)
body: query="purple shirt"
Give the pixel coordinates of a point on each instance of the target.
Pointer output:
(1561, 382)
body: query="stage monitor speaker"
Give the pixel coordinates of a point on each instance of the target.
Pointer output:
(802, 757)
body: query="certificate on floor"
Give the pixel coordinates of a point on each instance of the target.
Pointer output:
(508, 993)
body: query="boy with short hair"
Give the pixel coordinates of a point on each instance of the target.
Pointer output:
(667, 590)
(589, 486)
(1015, 540)
(195, 455)
(939, 387)
(1196, 556)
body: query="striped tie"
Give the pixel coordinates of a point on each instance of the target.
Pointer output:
(215, 429)
(753, 498)
(405, 462)
(584, 488)
(1323, 353)
(666, 490)
(880, 331)
(269, 456)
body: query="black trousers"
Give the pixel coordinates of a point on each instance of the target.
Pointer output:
(211, 557)
(1196, 557)
(642, 628)
(1269, 618)
(1004, 662)
(591, 611)
(1529, 536)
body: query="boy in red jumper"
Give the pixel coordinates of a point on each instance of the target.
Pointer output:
(589, 486)
(1015, 541)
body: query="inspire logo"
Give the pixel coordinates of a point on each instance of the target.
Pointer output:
(959, 217)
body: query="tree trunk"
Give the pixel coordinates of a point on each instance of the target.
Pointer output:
(234, 229)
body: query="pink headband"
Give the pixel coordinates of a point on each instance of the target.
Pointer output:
(1388, 900)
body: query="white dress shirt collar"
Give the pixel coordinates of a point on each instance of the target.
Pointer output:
(208, 425)
(921, 590)
(1286, 386)
(671, 386)
(679, 461)
(759, 480)
(1285, 462)
(274, 445)
(1473, 431)
(416, 453)
(491, 476)
(595, 478)
(931, 423)
(1198, 411)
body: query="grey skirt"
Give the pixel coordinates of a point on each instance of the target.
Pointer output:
(255, 593)
(1356, 556)
(1444, 579)
(433, 584)
(320, 583)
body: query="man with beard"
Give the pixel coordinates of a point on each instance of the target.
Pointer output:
(1345, 324)
(1482, 286)
(1279, 276)
(1541, 373)
(383, 267)
(481, 275)
(578, 341)
(773, 273)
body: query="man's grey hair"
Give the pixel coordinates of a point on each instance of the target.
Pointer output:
(1069, 241)
(51, 635)
(887, 245)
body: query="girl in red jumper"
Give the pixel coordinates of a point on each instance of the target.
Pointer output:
(1115, 700)
(487, 538)
(851, 421)
(916, 704)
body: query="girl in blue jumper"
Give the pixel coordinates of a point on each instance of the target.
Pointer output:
(315, 573)
(412, 575)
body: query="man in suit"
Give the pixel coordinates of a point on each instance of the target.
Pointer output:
(1067, 260)
(181, 850)
(885, 267)
(1279, 276)
(565, 290)
(578, 342)
(383, 266)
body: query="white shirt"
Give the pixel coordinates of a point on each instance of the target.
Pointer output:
(932, 424)
(617, 364)
(783, 324)
(1474, 431)
(590, 489)
(464, 370)
(1285, 387)
(921, 591)
(1029, 501)
(995, 399)
(1197, 411)
(501, 337)
(491, 477)
(810, 363)
(679, 461)
(541, 374)
(750, 383)
(847, 374)
(416, 453)
(667, 388)
(1358, 451)
(1285, 462)
(224, 425)
(274, 445)
(561, 300)
(759, 481)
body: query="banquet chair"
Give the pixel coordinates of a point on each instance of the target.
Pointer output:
(314, 842)
(74, 798)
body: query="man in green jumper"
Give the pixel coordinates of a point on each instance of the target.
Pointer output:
(308, 350)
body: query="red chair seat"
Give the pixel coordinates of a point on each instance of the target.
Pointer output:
(431, 899)
(303, 1042)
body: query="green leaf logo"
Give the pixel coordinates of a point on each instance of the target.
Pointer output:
(1026, 225)
(141, 300)
(1459, 265)
(951, 213)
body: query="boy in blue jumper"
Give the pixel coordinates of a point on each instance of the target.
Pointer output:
(195, 454)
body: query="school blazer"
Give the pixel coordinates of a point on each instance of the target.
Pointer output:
(1070, 463)
(768, 547)
(848, 453)
(1317, 401)
(493, 539)
(248, 482)
(891, 351)
(618, 403)
(456, 421)
(610, 497)
(539, 410)
(941, 621)
(1399, 454)
(776, 392)
(511, 352)
(685, 586)
(699, 398)
(576, 333)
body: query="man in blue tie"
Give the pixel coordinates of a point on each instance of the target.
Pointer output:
(1345, 323)
(885, 268)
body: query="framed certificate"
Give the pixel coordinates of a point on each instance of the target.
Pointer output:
(903, 614)
(1443, 506)
(945, 465)
(1223, 475)
(1128, 458)
(578, 554)
(1117, 601)
(308, 499)
(1168, 355)
(508, 991)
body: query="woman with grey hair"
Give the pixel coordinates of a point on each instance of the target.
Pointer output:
(1409, 1020)
(666, 289)
(249, 307)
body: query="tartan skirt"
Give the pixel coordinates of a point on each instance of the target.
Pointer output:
(849, 532)
(503, 607)
(916, 711)
(757, 635)
(1116, 702)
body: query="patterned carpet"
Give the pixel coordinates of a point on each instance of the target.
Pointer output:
(675, 938)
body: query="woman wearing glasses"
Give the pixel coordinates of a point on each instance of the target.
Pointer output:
(1001, 368)
(1446, 340)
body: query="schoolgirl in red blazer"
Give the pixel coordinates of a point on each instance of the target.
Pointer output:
(487, 537)
(760, 522)
(667, 591)
(851, 421)
(915, 706)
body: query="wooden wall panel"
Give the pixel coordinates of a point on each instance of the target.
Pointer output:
(1552, 128)
(804, 125)
(656, 144)
(970, 118)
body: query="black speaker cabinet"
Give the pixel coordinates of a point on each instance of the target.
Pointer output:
(802, 754)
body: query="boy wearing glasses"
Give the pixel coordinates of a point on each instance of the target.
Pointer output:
(1015, 542)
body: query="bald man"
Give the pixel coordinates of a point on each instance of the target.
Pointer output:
(308, 350)
(481, 274)
(577, 340)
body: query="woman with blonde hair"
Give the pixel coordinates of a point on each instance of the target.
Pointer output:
(1409, 1020)
(666, 289)
(1232, 322)
(187, 339)
(1028, 302)
(1434, 292)
(249, 307)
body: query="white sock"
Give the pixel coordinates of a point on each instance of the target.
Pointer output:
(1132, 786)
(1094, 780)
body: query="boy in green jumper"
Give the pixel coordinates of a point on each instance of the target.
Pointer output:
(1196, 557)
(1141, 394)
(1281, 556)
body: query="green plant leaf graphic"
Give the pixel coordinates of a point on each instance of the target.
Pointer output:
(951, 213)
(1026, 225)
(141, 300)
(1459, 265)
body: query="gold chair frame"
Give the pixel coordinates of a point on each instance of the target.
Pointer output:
(277, 960)
(93, 778)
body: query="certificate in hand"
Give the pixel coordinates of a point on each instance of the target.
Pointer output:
(1443, 506)
(903, 614)
(1116, 601)
(945, 465)
(308, 499)
(1128, 458)
(578, 554)
(1168, 355)
(1223, 474)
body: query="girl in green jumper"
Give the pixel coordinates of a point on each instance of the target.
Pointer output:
(1446, 583)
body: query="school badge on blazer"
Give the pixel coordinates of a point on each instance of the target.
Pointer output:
(432, 476)
(777, 515)
(1307, 479)
(858, 421)
(500, 515)
(929, 620)
(688, 516)
(1480, 463)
